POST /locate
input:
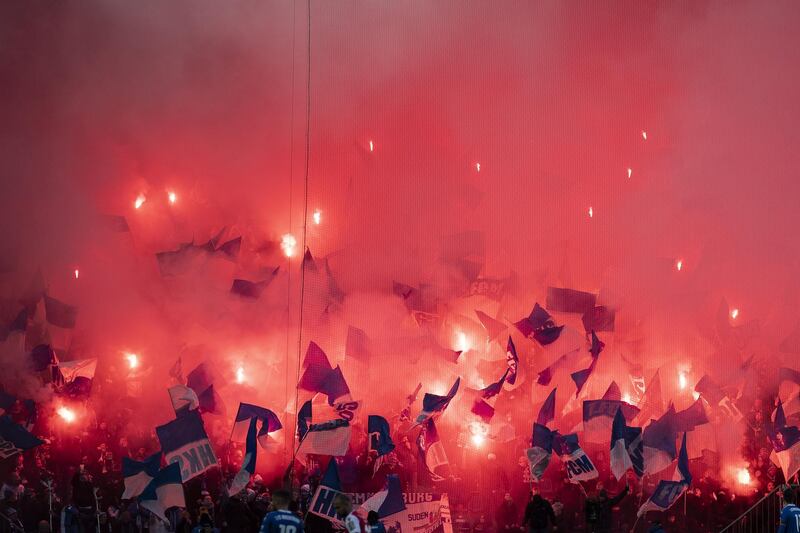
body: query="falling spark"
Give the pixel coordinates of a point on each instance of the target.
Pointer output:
(317, 217)
(591, 212)
(139, 201)
(682, 380)
(172, 197)
(630, 171)
(477, 167)
(288, 245)
(66, 414)
(240, 377)
(644, 135)
(462, 342)
(77, 273)
(743, 476)
(371, 147)
(679, 264)
(133, 360)
(734, 313)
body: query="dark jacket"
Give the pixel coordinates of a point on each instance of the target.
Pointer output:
(538, 513)
(598, 511)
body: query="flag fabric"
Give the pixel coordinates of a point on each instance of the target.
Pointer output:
(183, 399)
(659, 443)
(77, 376)
(494, 328)
(667, 492)
(357, 345)
(248, 468)
(596, 346)
(691, 417)
(546, 375)
(268, 421)
(652, 403)
(539, 325)
(598, 318)
(483, 406)
(432, 458)
(433, 404)
(569, 300)
(209, 401)
(304, 419)
(785, 441)
(379, 433)
(184, 441)
(253, 289)
(322, 411)
(328, 438)
(613, 392)
(335, 386)
(60, 314)
(164, 491)
(579, 466)
(14, 438)
(709, 390)
(789, 374)
(627, 448)
(547, 412)
(331, 477)
(540, 451)
(176, 371)
(316, 368)
(512, 378)
(582, 376)
(387, 501)
(138, 474)
(199, 379)
(598, 417)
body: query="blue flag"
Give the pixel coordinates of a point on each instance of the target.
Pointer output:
(627, 448)
(668, 492)
(184, 441)
(547, 412)
(483, 406)
(540, 451)
(138, 474)
(331, 477)
(163, 492)
(379, 435)
(387, 501)
(433, 403)
(304, 419)
(269, 422)
(15, 438)
(242, 478)
(579, 466)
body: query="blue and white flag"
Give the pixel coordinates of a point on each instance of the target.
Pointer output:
(269, 423)
(183, 399)
(579, 466)
(164, 491)
(541, 450)
(138, 474)
(242, 477)
(303, 419)
(512, 378)
(184, 441)
(432, 459)
(659, 443)
(380, 439)
(598, 417)
(627, 448)
(485, 399)
(15, 438)
(328, 438)
(668, 492)
(786, 442)
(387, 501)
(433, 404)
(329, 487)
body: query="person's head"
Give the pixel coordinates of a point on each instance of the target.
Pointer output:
(790, 495)
(343, 505)
(508, 498)
(281, 500)
(205, 522)
(43, 526)
(372, 518)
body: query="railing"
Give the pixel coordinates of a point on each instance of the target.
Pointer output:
(762, 517)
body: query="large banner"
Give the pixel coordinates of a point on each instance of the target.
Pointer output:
(423, 513)
(184, 441)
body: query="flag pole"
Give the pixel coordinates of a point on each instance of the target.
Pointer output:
(635, 523)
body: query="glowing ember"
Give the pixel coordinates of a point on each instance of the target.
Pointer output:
(627, 398)
(133, 360)
(288, 245)
(172, 197)
(240, 377)
(478, 440)
(139, 201)
(682, 380)
(743, 476)
(477, 167)
(66, 414)
(371, 147)
(644, 135)
(317, 216)
(77, 273)
(462, 342)
(630, 171)
(679, 264)
(734, 313)
(591, 212)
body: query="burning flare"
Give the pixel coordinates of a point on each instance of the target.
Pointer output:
(591, 212)
(140, 200)
(288, 245)
(644, 135)
(630, 171)
(682, 383)
(172, 197)
(240, 377)
(371, 147)
(743, 476)
(317, 217)
(66, 414)
(133, 360)
(77, 273)
(477, 167)
(734, 313)
(679, 264)
(462, 342)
